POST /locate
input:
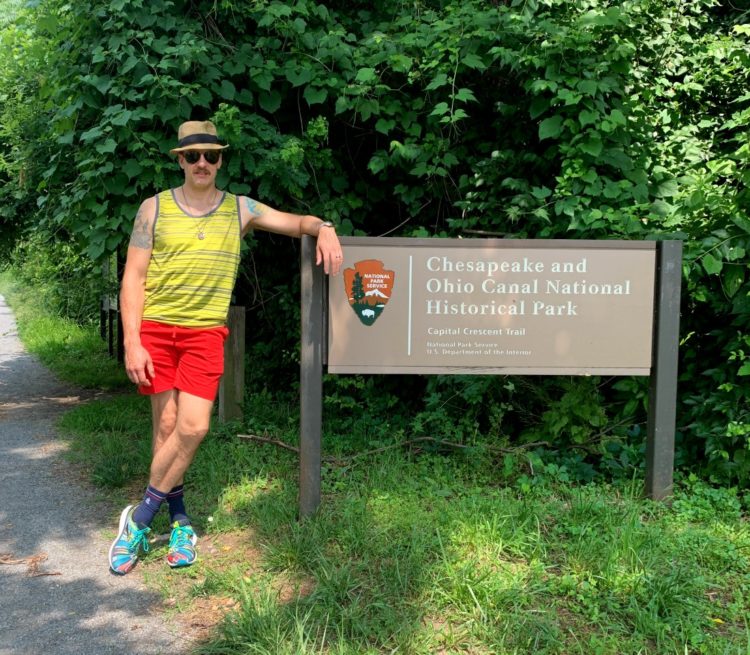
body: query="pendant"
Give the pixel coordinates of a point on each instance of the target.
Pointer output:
(201, 236)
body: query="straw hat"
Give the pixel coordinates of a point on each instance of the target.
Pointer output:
(197, 135)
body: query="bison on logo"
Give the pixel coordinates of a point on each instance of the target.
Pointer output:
(368, 287)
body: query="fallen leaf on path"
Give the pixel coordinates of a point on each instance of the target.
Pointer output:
(32, 563)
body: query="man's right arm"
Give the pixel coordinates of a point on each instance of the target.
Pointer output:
(133, 293)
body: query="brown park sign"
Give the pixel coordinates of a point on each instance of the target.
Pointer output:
(493, 306)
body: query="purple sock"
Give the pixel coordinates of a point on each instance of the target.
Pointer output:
(146, 511)
(176, 501)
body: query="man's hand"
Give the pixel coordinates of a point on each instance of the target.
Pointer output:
(328, 251)
(138, 365)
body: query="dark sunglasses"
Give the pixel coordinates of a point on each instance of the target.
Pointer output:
(193, 156)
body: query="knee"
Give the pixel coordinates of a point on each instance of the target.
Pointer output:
(167, 425)
(192, 431)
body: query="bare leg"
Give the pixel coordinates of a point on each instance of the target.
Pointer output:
(163, 419)
(163, 416)
(189, 417)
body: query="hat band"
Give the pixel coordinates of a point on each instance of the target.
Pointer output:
(197, 138)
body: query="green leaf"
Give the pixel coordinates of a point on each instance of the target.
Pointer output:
(473, 61)
(107, 147)
(667, 189)
(733, 279)
(367, 108)
(314, 95)
(543, 85)
(245, 97)
(617, 117)
(712, 265)
(227, 90)
(385, 125)
(744, 369)
(377, 163)
(262, 79)
(550, 127)
(441, 79)
(365, 75)
(458, 114)
(130, 63)
(98, 55)
(102, 84)
(589, 87)
(662, 208)
(299, 77)
(202, 97)
(95, 249)
(270, 102)
(132, 168)
(122, 118)
(590, 176)
(569, 97)
(742, 222)
(342, 104)
(592, 145)
(465, 95)
(440, 109)
(93, 133)
(538, 106)
(401, 63)
(588, 117)
(612, 190)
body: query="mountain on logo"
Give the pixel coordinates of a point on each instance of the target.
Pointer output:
(376, 292)
(368, 288)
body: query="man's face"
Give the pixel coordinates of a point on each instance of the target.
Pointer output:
(201, 173)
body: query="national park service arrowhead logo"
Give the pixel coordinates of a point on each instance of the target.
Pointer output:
(368, 287)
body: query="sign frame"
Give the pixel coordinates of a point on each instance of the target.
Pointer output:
(662, 374)
(485, 252)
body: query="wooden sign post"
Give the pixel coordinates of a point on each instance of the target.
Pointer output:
(494, 307)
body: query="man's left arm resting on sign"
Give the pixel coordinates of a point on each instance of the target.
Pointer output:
(257, 216)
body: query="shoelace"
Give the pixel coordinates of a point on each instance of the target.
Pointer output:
(181, 536)
(138, 537)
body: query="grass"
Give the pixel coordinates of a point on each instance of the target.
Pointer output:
(74, 352)
(425, 553)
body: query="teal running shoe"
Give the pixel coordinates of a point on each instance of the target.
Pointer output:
(182, 543)
(123, 553)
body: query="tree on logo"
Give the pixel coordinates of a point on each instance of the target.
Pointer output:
(358, 288)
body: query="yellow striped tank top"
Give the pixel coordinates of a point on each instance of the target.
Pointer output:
(190, 279)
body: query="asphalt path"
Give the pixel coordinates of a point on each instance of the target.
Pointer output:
(57, 596)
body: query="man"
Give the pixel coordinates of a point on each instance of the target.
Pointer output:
(181, 267)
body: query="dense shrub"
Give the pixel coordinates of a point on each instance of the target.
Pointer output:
(584, 119)
(65, 280)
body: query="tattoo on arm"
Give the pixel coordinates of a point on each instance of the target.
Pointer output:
(141, 235)
(256, 209)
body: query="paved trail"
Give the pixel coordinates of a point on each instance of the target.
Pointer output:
(68, 603)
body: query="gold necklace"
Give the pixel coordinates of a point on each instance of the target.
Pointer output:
(201, 234)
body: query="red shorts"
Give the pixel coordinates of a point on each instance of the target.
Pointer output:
(188, 359)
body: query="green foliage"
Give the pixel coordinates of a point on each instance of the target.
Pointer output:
(74, 352)
(63, 279)
(551, 119)
(112, 438)
(422, 553)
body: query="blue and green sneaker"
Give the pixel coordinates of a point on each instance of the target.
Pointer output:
(123, 553)
(182, 546)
